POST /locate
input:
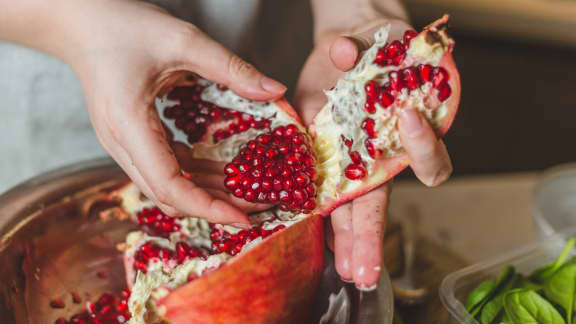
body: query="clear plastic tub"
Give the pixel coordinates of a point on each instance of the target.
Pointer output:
(457, 285)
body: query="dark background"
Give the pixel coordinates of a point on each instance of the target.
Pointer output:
(518, 108)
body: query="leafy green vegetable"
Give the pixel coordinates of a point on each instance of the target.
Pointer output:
(505, 275)
(561, 287)
(479, 294)
(494, 308)
(542, 274)
(525, 306)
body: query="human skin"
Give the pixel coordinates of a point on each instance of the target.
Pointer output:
(125, 52)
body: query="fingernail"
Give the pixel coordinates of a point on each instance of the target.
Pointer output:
(366, 288)
(242, 225)
(411, 122)
(346, 280)
(272, 86)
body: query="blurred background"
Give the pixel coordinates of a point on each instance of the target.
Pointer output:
(517, 59)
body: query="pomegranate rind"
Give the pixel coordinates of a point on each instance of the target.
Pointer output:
(386, 168)
(274, 282)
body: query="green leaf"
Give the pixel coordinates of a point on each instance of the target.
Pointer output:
(486, 290)
(524, 306)
(543, 273)
(561, 287)
(479, 294)
(494, 308)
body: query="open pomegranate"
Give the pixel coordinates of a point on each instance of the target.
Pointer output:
(185, 270)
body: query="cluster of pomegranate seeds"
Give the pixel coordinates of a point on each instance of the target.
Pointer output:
(410, 78)
(276, 167)
(108, 309)
(394, 53)
(150, 252)
(232, 244)
(157, 222)
(193, 115)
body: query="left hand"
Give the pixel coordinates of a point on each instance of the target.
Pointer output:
(358, 226)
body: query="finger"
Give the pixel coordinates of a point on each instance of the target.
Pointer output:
(139, 132)
(238, 202)
(123, 160)
(216, 63)
(428, 155)
(345, 51)
(343, 240)
(208, 181)
(368, 222)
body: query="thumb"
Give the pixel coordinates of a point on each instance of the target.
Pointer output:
(216, 63)
(345, 51)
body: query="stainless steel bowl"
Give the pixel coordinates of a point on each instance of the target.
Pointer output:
(46, 255)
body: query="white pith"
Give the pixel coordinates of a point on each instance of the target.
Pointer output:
(344, 112)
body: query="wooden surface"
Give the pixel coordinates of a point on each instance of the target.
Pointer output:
(462, 222)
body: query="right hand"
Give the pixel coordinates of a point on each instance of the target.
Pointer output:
(125, 52)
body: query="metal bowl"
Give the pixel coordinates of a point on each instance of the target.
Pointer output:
(49, 253)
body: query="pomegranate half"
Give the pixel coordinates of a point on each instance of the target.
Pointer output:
(185, 270)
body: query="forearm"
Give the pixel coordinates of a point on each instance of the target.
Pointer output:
(48, 26)
(348, 14)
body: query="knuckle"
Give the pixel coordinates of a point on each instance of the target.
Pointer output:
(184, 36)
(237, 67)
(161, 192)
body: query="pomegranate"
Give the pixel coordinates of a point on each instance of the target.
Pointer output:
(184, 270)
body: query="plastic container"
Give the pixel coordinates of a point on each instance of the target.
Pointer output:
(457, 285)
(554, 203)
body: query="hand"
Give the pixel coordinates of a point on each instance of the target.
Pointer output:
(358, 226)
(126, 52)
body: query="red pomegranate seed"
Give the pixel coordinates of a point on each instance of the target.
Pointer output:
(369, 106)
(273, 196)
(309, 205)
(238, 193)
(299, 194)
(231, 169)
(284, 196)
(380, 57)
(301, 179)
(411, 78)
(290, 130)
(370, 148)
(444, 91)
(57, 303)
(395, 52)
(368, 127)
(441, 76)
(355, 157)
(371, 89)
(355, 172)
(61, 320)
(386, 98)
(425, 72)
(396, 82)
(347, 142)
(409, 35)
(76, 299)
(250, 196)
